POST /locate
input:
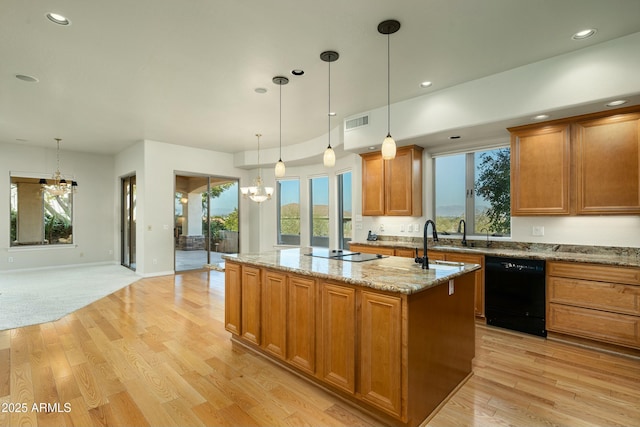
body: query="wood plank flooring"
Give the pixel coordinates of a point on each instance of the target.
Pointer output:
(156, 354)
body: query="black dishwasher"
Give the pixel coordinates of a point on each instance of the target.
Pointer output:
(515, 294)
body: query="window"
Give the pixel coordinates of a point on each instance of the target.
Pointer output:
(39, 215)
(319, 196)
(344, 209)
(288, 211)
(474, 187)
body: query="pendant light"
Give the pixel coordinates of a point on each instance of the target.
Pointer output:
(388, 145)
(280, 169)
(329, 158)
(257, 192)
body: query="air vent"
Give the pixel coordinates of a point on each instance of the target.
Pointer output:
(356, 122)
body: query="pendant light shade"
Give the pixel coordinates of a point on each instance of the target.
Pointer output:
(280, 168)
(329, 158)
(388, 145)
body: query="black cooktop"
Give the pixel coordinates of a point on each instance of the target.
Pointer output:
(343, 255)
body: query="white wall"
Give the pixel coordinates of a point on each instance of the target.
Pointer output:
(94, 214)
(156, 164)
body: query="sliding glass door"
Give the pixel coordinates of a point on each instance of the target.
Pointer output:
(128, 222)
(206, 220)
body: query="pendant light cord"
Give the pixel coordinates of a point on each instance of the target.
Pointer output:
(280, 159)
(329, 109)
(388, 85)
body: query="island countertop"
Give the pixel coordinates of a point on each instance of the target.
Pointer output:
(391, 274)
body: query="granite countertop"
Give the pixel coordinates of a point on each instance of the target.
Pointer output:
(628, 257)
(391, 274)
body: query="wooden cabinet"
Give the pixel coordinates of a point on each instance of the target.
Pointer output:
(381, 351)
(274, 320)
(594, 301)
(301, 323)
(540, 167)
(397, 355)
(233, 297)
(367, 249)
(338, 326)
(479, 276)
(607, 157)
(392, 187)
(584, 165)
(251, 306)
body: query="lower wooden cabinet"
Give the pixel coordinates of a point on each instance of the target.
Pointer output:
(274, 305)
(389, 351)
(380, 350)
(366, 249)
(594, 301)
(301, 323)
(251, 306)
(338, 331)
(233, 297)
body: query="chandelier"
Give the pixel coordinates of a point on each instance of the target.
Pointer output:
(257, 192)
(58, 185)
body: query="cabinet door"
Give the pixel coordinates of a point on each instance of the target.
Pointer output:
(301, 324)
(251, 304)
(366, 249)
(607, 152)
(274, 313)
(540, 167)
(372, 184)
(338, 336)
(380, 351)
(233, 294)
(403, 183)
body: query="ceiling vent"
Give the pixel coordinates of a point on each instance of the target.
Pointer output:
(356, 122)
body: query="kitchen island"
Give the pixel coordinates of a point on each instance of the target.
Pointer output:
(385, 335)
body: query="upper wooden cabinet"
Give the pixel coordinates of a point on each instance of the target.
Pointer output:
(585, 165)
(540, 166)
(607, 158)
(392, 187)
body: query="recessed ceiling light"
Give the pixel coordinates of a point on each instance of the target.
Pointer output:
(297, 72)
(616, 103)
(372, 148)
(26, 78)
(584, 34)
(332, 113)
(541, 117)
(454, 137)
(425, 84)
(56, 18)
(260, 90)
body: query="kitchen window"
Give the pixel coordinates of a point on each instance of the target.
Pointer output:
(319, 196)
(474, 187)
(288, 191)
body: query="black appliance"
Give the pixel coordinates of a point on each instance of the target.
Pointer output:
(343, 255)
(515, 294)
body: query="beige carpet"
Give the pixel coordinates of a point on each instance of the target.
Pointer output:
(39, 296)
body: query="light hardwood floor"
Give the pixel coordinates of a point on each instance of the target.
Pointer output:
(156, 353)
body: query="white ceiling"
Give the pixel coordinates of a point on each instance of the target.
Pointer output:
(184, 72)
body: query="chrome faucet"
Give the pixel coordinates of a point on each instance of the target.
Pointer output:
(424, 260)
(463, 225)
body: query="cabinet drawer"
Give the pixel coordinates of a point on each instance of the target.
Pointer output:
(601, 295)
(614, 328)
(603, 273)
(405, 252)
(365, 249)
